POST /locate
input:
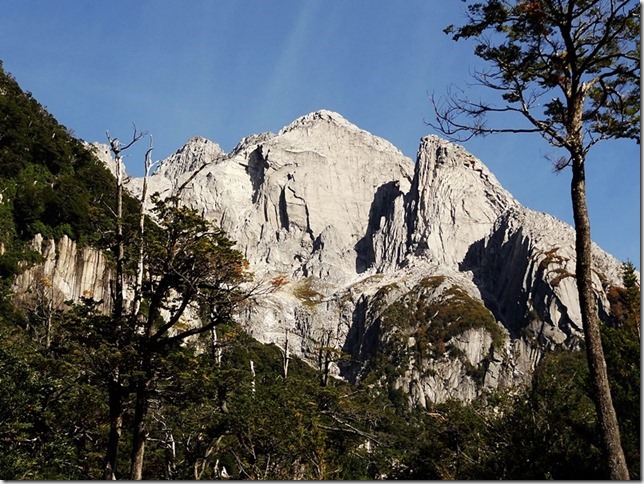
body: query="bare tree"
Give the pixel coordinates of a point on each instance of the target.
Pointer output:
(116, 388)
(136, 304)
(42, 304)
(569, 71)
(329, 352)
(286, 355)
(117, 149)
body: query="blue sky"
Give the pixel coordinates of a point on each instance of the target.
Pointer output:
(225, 69)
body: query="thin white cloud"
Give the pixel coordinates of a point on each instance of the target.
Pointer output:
(289, 61)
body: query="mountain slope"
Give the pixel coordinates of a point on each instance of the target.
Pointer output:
(49, 182)
(51, 187)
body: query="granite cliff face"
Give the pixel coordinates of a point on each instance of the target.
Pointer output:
(431, 276)
(303, 202)
(453, 202)
(67, 272)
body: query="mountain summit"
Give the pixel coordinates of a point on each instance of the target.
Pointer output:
(374, 250)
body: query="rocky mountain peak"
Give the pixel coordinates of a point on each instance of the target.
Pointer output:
(197, 151)
(324, 123)
(454, 201)
(443, 161)
(351, 227)
(250, 143)
(316, 117)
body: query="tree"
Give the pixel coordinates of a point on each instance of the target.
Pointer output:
(116, 389)
(569, 71)
(186, 279)
(190, 263)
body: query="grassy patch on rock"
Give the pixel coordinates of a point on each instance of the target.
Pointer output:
(305, 292)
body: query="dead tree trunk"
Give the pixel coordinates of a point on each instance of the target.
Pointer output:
(217, 352)
(252, 372)
(115, 386)
(286, 356)
(325, 358)
(136, 304)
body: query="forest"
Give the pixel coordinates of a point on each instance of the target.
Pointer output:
(128, 393)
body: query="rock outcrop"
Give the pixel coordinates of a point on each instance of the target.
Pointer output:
(454, 201)
(67, 273)
(525, 268)
(377, 255)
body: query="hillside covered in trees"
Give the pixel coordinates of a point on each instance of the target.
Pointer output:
(227, 408)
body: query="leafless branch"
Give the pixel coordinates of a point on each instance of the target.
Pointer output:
(118, 147)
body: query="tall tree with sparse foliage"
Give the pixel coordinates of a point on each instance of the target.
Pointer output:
(569, 71)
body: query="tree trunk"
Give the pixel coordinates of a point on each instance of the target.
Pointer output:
(140, 432)
(139, 436)
(594, 352)
(286, 357)
(116, 427)
(138, 287)
(119, 301)
(252, 372)
(115, 394)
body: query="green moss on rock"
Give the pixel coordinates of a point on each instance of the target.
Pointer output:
(421, 325)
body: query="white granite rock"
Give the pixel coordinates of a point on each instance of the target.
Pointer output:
(345, 215)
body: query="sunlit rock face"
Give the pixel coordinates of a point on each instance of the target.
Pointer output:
(304, 201)
(352, 228)
(67, 273)
(453, 202)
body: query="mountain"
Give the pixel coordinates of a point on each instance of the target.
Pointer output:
(430, 276)
(427, 277)
(49, 183)
(419, 281)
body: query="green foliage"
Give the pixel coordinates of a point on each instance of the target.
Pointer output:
(542, 432)
(544, 57)
(183, 243)
(437, 320)
(49, 182)
(206, 415)
(188, 261)
(622, 350)
(625, 301)
(621, 343)
(553, 430)
(50, 411)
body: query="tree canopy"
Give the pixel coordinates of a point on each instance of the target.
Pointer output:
(567, 70)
